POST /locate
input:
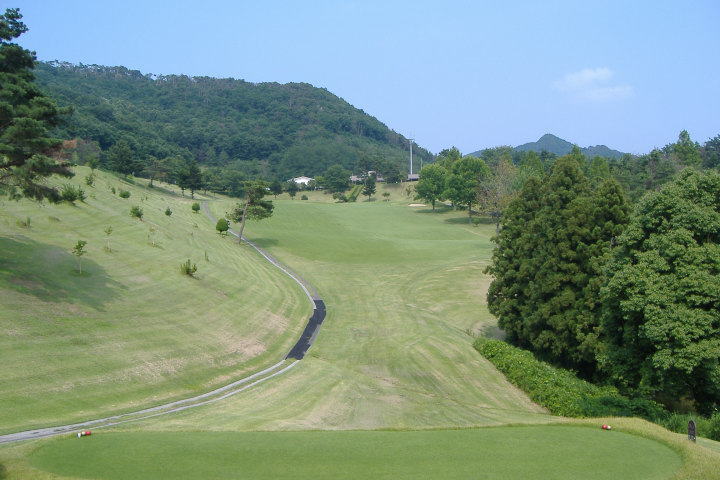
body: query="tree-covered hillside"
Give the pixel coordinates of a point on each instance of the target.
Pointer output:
(557, 146)
(265, 129)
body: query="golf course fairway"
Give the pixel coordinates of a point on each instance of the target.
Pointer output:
(489, 453)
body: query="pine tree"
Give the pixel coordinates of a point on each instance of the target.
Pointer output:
(26, 116)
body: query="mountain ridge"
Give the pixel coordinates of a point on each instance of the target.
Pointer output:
(554, 144)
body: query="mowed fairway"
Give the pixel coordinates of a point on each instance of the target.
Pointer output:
(557, 452)
(131, 331)
(404, 289)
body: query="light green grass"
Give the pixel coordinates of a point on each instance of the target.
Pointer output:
(403, 289)
(494, 453)
(131, 331)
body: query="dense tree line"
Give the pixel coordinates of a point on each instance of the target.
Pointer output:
(630, 296)
(264, 130)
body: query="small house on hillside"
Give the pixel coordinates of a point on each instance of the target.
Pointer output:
(301, 180)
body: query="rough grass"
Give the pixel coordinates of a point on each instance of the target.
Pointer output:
(130, 331)
(558, 452)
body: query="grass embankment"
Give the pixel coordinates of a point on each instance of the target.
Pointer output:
(558, 452)
(131, 331)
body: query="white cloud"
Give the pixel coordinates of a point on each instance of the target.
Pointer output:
(593, 84)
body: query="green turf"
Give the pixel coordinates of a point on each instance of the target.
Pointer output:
(131, 331)
(404, 290)
(493, 453)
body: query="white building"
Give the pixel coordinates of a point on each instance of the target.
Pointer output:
(301, 180)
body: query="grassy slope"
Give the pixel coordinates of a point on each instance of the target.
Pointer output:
(132, 331)
(491, 453)
(403, 288)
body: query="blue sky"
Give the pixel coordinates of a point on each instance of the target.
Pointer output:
(473, 74)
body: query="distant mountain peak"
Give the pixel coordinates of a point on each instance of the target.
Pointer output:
(554, 144)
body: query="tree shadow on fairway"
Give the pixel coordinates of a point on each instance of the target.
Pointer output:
(475, 221)
(265, 242)
(49, 273)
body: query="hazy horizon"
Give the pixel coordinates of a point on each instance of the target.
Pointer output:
(474, 76)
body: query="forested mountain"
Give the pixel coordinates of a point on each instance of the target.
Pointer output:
(270, 130)
(556, 145)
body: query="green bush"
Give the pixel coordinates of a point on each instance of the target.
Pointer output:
(354, 193)
(559, 390)
(187, 268)
(124, 194)
(136, 212)
(168, 212)
(195, 207)
(71, 193)
(304, 197)
(222, 226)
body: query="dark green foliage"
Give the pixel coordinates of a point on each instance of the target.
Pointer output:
(463, 180)
(304, 197)
(292, 188)
(711, 153)
(124, 194)
(352, 195)
(188, 268)
(222, 226)
(71, 193)
(122, 159)
(387, 196)
(276, 188)
(195, 207)
(168, 212)
(271, 130)
(661, 310)
(26, 116)
(431, 185)
(336, 179)
(560, 390)
(369, 186)
(557, 146)
(254, 207)
(340, 197)
(136, 212)
(548, 260)
(708, 427)
(90, 180)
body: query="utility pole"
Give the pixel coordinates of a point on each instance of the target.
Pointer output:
(411, 162)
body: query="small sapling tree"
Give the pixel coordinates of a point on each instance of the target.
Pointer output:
(124, 194)
(276, 188)
(304, 197)
(79, 250)
(136, 212)
(108, 232)
(195, 207)
(222, 226)
(387, 196)
(188, 268)
(168, 212)
(90, 180)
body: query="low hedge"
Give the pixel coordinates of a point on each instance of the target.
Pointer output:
(559, 390)
(564, 394)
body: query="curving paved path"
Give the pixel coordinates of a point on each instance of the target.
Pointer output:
(296, 354)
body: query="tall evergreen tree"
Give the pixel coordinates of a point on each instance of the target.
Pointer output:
(545, 267)
(26, 115)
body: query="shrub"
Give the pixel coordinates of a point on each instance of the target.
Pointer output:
(195, 207)
(90, 180)
(136, 212)
(559, 390)
(23, 223)
(168, 212)
(112, 189)
(304, 197)
(340, 197)
(187, 268)
(71, 193)
(222, 226)
(124, 194)
(354, 193)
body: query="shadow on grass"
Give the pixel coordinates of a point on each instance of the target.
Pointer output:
(475, 221)
(48, 273)
(265, 242)
(3, 472)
